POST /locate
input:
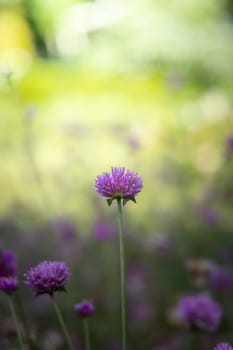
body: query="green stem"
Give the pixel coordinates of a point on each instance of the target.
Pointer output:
(86, 334)
(13, 312)
(122, 270)
(62, 324)
(25, 322)
(195, 338)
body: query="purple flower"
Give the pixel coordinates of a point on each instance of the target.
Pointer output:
(230, 143)
(84, 309)
(47, 277)
(104, 230)
(199, 311)
(9, 284)
(162, 242)
(221, 279)
(141, 311)
(65, 228)
(119, 183)
(136, 279)
(223, 346)
(209, 216)
(8, 263)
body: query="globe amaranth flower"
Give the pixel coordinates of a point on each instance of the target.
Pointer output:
(47, 277)
(223, 346)
(9, 284)
(198, 311)
(85, 308)
(8, 263)
(120, 183)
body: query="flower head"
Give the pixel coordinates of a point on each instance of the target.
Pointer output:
(198, 311)
(223, 346)
(47, 277)
(119, 183)
(9, 284)
(8, 263)
(84, 309)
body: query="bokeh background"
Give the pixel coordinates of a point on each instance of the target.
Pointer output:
(146, 84)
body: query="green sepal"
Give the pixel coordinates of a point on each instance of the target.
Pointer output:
(58, 289)
(109, 201)
(61, 289)
(125, 200)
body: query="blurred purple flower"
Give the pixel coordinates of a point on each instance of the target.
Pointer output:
(199, 311)
(85, 308)
(221, 279)
(141, 311)
(8, 263)
(68, 243)
(229, 145)
(47, 277)
(162, 242)
(135, 281)
(9, 284)
(223, 346)
(209, 216)
(119, 183)
(103, 230)
(225, 254)
(65, 228)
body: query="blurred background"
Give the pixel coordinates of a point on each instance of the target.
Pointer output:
(146, 84)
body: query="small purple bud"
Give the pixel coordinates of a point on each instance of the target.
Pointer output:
(84, 309)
